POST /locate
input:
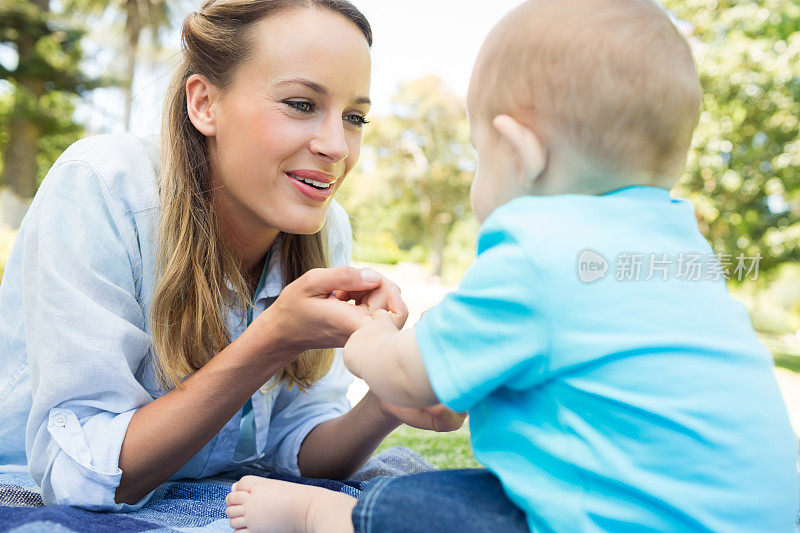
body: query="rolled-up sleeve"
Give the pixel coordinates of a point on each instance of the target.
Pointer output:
(296, 413)
(85, 336)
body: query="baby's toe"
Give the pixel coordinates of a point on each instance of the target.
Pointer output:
(247, 483)
(238, 523)
(238, 497)
(234, 511)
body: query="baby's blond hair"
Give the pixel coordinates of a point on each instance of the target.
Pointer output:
(612, 81)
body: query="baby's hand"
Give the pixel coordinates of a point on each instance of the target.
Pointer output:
(435, 418)
(362, 343)
(384, 297)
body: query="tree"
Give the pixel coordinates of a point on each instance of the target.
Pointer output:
(743, 174)
(138, 16)
(44, 84)
(419, 167)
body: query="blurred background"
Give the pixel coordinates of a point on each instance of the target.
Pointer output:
(71, 68)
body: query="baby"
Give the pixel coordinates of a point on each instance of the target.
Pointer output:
(606, 389)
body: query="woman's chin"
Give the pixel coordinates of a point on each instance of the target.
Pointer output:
(303, 227)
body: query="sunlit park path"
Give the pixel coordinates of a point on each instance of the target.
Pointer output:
(421, 291)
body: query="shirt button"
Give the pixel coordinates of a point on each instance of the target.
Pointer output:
(60, 421)
(264, 388)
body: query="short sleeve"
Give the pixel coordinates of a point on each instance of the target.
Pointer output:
(85, 337)
(488, 333)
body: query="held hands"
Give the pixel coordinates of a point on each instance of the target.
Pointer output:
(386, 299)
(314, 310)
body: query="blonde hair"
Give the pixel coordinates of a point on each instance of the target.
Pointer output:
(199, 277)
(614, 80)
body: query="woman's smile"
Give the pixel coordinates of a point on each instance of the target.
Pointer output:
(316, 185)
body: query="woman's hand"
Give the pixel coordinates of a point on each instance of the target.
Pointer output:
(313, 311)
(388, 299)
(435, 418)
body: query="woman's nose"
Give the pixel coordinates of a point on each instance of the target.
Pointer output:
(330, 141)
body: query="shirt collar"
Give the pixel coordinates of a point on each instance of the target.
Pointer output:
(273, 284)
(640, 191)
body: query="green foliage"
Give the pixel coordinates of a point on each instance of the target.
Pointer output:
(743, 173)
(772, 319)
(773, 308)
(6, 103)
(49, 53)
(61, 132)
(137, 16)
(376, 247)
(460, 250)
(6, 241)
(45, 85)
(443, 450)
(417, 170)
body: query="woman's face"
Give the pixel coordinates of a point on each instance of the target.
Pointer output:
(288, 130)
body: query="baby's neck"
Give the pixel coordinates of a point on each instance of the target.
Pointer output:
(592, 184)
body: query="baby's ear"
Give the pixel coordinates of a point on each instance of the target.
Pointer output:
(529, 149)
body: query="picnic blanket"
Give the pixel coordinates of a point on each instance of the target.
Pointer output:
(186, 506)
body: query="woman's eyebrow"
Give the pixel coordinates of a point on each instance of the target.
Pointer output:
(314, 86)
(319, 89)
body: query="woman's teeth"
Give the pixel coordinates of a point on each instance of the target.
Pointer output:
(317, 184)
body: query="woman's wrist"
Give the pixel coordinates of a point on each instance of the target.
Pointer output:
(264, 347)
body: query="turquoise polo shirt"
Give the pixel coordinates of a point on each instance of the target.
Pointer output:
(604, 400)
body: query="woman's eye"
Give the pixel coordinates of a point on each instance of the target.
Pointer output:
(356, 120)
(300, 105)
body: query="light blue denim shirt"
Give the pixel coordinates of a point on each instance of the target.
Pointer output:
(75, 344)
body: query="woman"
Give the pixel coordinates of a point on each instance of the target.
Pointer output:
(131, 352)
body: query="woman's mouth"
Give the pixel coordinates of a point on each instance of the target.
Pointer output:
(315, 185)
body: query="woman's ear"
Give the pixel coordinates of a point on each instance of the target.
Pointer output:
(529, 150)
(201, 97)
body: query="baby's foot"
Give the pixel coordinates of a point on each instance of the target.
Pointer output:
(260, 505)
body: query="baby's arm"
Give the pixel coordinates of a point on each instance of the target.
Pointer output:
(390, 362)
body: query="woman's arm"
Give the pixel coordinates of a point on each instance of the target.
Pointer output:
(164, 434)
(356, 434)
(359, 431)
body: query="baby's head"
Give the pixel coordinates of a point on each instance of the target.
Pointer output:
(591, 95)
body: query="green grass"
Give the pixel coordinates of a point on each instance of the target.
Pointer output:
(786, 356)
(789, 362)
(443, 450)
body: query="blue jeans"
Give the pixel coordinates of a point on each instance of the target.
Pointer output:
(444, 501)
